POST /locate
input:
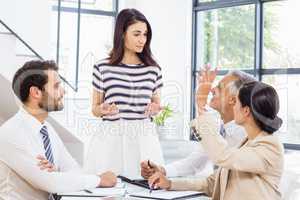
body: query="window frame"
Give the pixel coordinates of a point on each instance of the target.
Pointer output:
(59, 9)
(258, 71)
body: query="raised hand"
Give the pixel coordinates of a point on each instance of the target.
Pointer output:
(206, 78)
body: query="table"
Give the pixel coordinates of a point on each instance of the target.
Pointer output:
(129, 188)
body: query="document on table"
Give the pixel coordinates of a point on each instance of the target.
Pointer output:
(166, 195)
(118, 190)
(89, 198)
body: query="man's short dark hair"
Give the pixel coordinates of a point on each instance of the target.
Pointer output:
(32, 73)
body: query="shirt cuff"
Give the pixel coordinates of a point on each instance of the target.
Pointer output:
(171, 171)
(91, 181)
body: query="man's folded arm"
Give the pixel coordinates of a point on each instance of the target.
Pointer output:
(25, 164)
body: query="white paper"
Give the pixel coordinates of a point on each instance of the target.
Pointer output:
(118, 190)
(164, 194)
(89, 198)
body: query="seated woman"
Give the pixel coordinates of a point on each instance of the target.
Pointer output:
(253, 170)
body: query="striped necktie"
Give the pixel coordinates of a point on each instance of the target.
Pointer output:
(222, 131)
(47, 144)
(48, 152)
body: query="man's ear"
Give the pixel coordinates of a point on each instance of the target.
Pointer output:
(35, 92)
(232, 100)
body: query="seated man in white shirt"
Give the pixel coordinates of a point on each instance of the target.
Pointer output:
(29, 144)
(222, 101)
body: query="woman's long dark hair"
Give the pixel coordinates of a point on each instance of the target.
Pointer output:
(126, 18)
(263, 101)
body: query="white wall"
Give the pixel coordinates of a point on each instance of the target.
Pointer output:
(30, 19)
(8, 11)
(7, 52)
(171, 45)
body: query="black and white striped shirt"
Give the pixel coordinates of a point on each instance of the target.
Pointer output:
(130, 87)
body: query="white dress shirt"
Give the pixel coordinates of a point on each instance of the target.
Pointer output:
(21, 178)
(198, 160)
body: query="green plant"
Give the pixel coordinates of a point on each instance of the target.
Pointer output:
(165, 113)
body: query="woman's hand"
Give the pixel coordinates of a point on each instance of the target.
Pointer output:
(159, 180)
(108, 109)
(152, 109)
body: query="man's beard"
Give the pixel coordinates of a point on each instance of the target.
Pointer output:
(49, 104)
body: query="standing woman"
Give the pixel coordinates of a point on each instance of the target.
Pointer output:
(126, 94)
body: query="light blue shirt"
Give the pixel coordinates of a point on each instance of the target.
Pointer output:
(198, 160)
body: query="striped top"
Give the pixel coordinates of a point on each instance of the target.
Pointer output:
(130, 87)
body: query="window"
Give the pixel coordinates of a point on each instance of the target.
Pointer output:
(78, 38)
(68, 46)
(287, 87)
(107, 5)
(281, 35)
(281, 62)
(96, 35)
(225, 37)
(259, 37)
(82, 35)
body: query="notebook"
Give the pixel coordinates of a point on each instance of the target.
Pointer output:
(118, 190)
(139, 182)
(166, 195)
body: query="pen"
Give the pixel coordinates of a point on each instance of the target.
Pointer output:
(149, 164)
(151, 188)
(88, 191)
(150, 191)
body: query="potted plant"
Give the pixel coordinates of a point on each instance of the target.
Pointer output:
(160, 119)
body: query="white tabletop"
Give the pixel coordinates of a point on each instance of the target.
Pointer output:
(130, 189)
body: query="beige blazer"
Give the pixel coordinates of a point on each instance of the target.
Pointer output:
(250, 172)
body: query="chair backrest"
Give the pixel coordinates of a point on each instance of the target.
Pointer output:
(290, 180)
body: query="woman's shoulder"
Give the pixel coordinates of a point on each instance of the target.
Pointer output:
(103, 62)
(270, 140)
(154, 67)
(103, 65)
(264, 136)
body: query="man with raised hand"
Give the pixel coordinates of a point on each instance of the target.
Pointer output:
(223, 100)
